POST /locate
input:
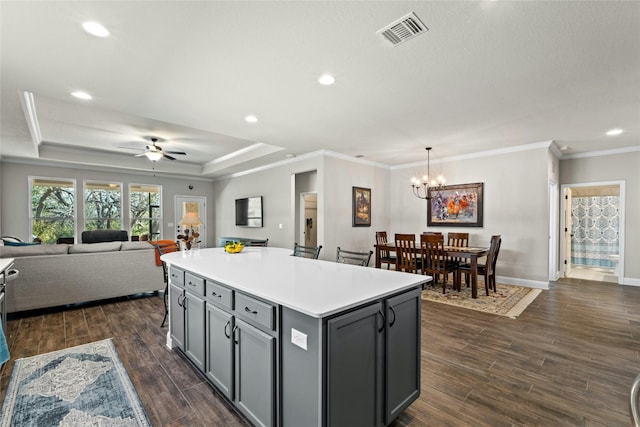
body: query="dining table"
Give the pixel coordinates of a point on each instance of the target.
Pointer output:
(467, 252)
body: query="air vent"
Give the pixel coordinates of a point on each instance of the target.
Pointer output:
(403, 29)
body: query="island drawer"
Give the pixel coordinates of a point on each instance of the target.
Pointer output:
(177, 276)
(194, 284)
(259, 312)
(219, 295)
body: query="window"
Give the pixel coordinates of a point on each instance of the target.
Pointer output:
(102, 206)
(53, 207)
(146, 211)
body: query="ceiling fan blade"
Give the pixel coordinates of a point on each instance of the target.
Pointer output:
(182, 153)
(166, 156)
(132, 148)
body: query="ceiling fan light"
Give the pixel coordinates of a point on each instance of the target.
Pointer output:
(153, 155)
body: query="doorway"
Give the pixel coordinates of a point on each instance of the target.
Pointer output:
(593, 227)
(185, 205)
(309, 218)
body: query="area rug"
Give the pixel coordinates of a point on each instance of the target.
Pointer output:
(85, 385)
(508, 300)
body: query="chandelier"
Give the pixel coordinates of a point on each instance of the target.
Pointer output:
(421, 187)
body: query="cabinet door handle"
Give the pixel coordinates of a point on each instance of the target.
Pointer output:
(383, 320)
(234, 332)
(226, 334)
(394, 316)
(248, 310)
(181, 300)
(184, 302)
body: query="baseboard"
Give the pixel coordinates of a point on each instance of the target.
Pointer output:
(523, 282)
(630, 281)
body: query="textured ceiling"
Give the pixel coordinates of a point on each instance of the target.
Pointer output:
(487, 75)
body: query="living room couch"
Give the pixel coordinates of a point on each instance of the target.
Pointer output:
(60, 274)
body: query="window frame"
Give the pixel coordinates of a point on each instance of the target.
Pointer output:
(159, 219)
(73, 181)
(84, 200)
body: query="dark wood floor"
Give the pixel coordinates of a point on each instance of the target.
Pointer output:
(569, 359)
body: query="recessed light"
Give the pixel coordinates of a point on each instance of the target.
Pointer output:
(81, 95)
(326, 80)
(95, 29)
(564, 148)
(251, 119)
(614, 132)
(290, 156)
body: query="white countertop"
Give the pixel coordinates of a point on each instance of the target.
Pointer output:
(313, 287)
(5, 263)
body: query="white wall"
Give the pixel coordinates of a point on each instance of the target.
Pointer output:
(15, 204)
(515, 206)
(617, 167)
(276, 187)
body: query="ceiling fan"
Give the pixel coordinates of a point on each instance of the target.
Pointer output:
(154, 152)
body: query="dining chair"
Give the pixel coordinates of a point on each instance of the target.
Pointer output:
(386, 257)
(488, 269)
(407, 258)
(460, 240)
(312, 252)
(161, 249)
(353, 257)
(436, 262)
(261, 243)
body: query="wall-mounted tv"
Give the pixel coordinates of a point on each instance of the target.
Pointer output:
(249, 212)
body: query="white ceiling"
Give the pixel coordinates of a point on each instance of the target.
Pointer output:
(487, 75)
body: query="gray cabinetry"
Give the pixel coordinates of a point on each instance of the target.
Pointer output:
(255, 373)
(402, 353)
(373, 362)
(187, 310)
(241, 358)
(176, 309)
(354, 368)
(219, 366)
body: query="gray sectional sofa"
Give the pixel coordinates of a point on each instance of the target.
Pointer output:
(54, 275)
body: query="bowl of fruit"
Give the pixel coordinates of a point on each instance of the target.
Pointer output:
(233, 247)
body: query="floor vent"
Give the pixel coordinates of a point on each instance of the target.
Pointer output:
(403, 29)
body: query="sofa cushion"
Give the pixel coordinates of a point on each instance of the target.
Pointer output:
(98, 236)
(134, 246)
(33, 250)
(84, 248)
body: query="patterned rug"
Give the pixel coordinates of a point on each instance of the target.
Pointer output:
(85, 385)
(508, 300)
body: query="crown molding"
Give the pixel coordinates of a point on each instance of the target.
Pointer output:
(600, 153)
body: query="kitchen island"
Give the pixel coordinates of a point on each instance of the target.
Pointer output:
(292, 341)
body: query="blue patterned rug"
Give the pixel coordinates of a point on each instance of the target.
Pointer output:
(85, 385)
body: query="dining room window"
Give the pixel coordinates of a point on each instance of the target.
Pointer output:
(145, 203)
(102, 205)
(53, 208)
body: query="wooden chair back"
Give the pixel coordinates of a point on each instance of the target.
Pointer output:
(353, 257)
(492, 256)
(312, 252)
(460, 240)
(406, 257)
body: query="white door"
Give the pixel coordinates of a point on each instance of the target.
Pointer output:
(568, 226)
(191, 205)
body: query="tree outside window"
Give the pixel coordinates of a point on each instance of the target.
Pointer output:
(102, 205)
(146, 213)
(52, 208)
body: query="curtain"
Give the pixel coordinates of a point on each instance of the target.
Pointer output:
(595, 230)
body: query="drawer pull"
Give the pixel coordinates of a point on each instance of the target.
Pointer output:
(248, 310)
(213, 294)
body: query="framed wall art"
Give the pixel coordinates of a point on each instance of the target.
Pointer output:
(361, 198)
(456, 205)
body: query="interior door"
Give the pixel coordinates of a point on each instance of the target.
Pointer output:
(196, 204)
(568, 227)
